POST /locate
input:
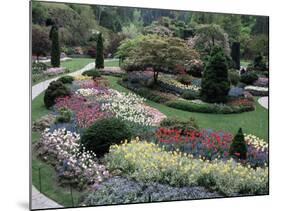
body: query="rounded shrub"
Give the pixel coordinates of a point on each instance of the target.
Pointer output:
(66, 79)
(104, 133)
(92, 73)
(54, 90)
(249, 78)
(64, 115)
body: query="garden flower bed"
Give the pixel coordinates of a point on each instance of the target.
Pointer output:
(210, 145)
(148, 162)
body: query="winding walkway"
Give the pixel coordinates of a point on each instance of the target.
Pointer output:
(40, 201)
(40, 87)
(263, 101)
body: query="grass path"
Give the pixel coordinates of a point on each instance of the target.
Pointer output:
(254, 122)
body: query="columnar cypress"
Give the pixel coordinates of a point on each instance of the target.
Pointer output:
(238, 147)
(99, 58)
(55, 51)
(235, 54)
(215, 84)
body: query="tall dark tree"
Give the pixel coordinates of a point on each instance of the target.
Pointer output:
(99, 58)
(238, 147)
(55, 50)
(235, 54)
(215, 83)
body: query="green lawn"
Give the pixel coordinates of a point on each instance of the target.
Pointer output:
(73, 65)
(254, 122)
(245, 63)
(111, 63)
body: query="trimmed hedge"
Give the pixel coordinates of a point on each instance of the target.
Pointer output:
(146, 92)
(207, 108)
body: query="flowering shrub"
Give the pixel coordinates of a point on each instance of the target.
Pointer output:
(130, 107)
(210, 144)
(148, 162)
(262, 82)
(54, 71)
(62, 149)
(257, 142)
(85, 113)
(86, 92)
(174, 83)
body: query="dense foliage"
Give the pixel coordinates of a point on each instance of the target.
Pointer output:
(156, 52)
(104, 133)
(99, 57)
(215, 83)
(55, 89)
(55, 50)
(238, 147)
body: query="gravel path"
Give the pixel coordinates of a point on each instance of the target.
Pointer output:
(264, 102)
(40, 87)
(40, 201)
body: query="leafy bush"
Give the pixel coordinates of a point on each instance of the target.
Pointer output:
(238, 147)
(233, 77)
(249, 78)
(92, 73)
(187, 125)
(54, 90)
(215, 83)
(207, 107)
(145, 161)
(104, 133)
(119, 190)
(66, 79)
(190, 95)
(64, 115)
(39, 67)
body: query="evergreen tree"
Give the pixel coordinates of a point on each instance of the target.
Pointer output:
(55, 50)
(238, 147)
(215, 83)
(99, 57)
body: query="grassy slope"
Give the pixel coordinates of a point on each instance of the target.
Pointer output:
(255, 122)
